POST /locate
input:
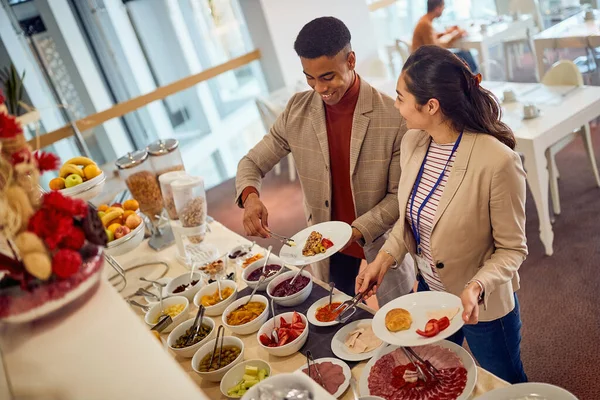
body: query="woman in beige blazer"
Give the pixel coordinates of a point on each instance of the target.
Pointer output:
(462, 205)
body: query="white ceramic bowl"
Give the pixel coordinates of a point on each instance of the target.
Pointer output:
(86, 190)
(188, 352)
(211, 288)
(311, 314)
(286, 349)
(127, 243)
(251, 326)
(253, 267)
(184, 279)
(154, 312)
(235, 374)
(207, 348)
(296, 298)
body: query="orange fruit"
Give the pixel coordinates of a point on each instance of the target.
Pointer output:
(57, 184)
(113, 227)
(91, 171)
(131, 204)
(127, 213)
(103, 207)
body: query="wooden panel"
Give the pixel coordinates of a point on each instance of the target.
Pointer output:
(120, 109)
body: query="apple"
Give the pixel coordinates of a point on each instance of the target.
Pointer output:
(110, 234)
(121, 231)
(119, 205)
(73, 180)
(101, 214)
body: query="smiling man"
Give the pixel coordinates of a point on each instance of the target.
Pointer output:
(345, 139)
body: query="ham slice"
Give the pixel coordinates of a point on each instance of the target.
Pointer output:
(362, 340)
(443, 312)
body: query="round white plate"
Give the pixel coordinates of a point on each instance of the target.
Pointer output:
(345, 369)
(418, 304)
(535, 391)
(338, 232)
(464, 356)
(310, 314)
(152, 289)
(341, 351)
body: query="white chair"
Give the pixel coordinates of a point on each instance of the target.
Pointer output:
(404, 48)
(268, 114)
(566, 73)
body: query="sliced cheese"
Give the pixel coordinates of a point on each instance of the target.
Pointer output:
(443, 312)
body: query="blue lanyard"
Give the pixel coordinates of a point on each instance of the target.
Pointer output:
(415, 228)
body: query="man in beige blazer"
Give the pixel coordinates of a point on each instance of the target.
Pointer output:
(345, 138)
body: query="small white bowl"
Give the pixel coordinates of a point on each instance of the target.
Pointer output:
(154, 312)
(127, 243)
(188, 352)
(86, 190)
(286, 349)
(251, 326)
(296, 298)
(207, 348)
(312, 311)
(253, 267)
(184, 279)
(211, 288)
(235, 374)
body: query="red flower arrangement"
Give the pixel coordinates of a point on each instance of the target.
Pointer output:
(9, 126)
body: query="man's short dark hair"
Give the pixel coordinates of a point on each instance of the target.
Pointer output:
(433, 4)
(325, 36)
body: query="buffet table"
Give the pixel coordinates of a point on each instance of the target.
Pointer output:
(224, 239)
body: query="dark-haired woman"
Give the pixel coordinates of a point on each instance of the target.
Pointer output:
(462, 205)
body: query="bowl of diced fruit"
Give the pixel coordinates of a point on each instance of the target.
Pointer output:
(80, 178)
(239, 379)
(124, 226)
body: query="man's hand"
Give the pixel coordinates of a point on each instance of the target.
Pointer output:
(374, 272)
(356, 236)
(255, 217)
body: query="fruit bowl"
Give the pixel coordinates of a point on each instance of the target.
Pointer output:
(127, 243)
(86, 190)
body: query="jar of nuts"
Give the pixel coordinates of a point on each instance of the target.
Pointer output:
(141, 181)
(190, 203)
(165, 181)
(165, 156)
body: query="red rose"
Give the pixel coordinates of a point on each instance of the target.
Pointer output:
(74, 240)
(65, 263)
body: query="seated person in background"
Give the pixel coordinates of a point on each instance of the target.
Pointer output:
(425, 34)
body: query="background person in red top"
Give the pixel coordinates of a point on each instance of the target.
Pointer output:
(345, 138)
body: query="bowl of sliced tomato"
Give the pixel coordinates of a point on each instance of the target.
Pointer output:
(292, 333)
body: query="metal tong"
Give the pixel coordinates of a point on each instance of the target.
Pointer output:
(309, 359)
(196, 326)
(415, 359)
(283, 239)
(350, 305)
(221, 335)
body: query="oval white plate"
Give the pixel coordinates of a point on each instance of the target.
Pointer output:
(338, 232)
(341, 351)
(520, 390)
(310, 314)
(418, 304)
(464, 356)
(345, 370)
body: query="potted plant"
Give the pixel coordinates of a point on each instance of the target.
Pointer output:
(12, 84)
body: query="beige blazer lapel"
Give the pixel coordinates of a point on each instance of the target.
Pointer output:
(317, 118)
(463, 154)
(360, 122)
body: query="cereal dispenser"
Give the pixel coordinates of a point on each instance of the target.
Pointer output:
(165, 156)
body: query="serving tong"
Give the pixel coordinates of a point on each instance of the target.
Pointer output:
(283, 239)
(309, 359)
(196, 326)
(415, 360)
(221, 335)
(350, 305)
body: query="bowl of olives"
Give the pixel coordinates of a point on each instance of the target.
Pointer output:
(178, 337)
(233, 353)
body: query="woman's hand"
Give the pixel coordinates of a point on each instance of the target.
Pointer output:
(470, 302)
(373, 273)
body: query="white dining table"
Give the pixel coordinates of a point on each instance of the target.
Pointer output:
(573, 32)
(563, 110)
(495, 34)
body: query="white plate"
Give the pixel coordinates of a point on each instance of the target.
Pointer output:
(418, 304)
(538, 391)
(310, 315)
(464, 356)
(341, 351)
(338, 232)
(345, 370)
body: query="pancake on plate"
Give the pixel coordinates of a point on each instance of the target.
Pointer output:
(398, 319)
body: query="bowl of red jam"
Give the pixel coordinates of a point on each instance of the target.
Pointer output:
(288, 294)
(251, 275)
